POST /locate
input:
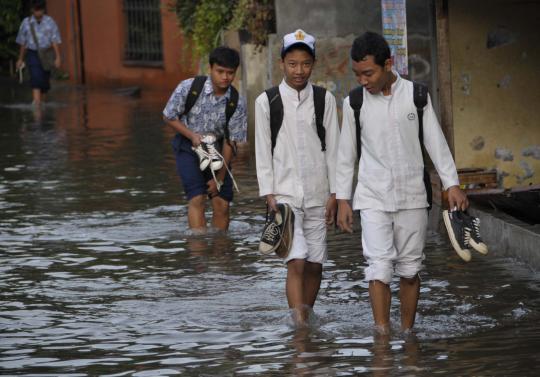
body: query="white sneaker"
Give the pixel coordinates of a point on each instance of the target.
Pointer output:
(204, 157)
(216, 160)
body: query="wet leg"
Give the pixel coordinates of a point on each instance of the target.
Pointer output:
(220, 214)
(382, 354)
(196, 207)
(36, 96)
(312, 282)
(295, 289)
(409, 291)
(380, 296)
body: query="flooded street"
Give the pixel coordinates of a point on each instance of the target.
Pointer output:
(98, 276)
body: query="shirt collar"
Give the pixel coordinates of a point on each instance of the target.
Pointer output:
(33, 19)
(209, 89)
(289, 91)
(396, 83)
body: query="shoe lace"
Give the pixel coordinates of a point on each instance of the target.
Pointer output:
(475, 223)
(201, 151)
(466, 236)
(271, 232)
(212, 152)
(214, 155)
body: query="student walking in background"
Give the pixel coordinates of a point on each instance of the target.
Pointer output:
(209, 118)
(39, 41)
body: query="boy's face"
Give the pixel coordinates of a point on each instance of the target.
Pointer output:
(222, 77)
(38, 13)
(370, 75)
(297, 66)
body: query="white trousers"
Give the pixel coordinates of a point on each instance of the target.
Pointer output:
(309, 241)
(393, 242)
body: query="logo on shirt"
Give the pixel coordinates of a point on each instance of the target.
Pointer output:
(411, 116)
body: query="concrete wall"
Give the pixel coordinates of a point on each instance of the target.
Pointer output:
(496, 89)
(322, 18)
(335, 25)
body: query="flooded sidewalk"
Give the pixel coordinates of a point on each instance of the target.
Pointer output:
(99, 275)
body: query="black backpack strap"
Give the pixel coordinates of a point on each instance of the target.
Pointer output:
(230, 108)
(276, 113)
(356, 99)
(420, 95)
(319, 99)
(194, 92)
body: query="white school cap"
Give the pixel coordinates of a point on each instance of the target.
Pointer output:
(298, 37)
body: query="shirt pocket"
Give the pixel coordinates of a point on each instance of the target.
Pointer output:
(375, 184)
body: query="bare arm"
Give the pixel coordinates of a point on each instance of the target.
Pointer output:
(345, 216)
(22, 52)
(57, 60)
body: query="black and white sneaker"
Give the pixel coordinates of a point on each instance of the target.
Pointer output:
(473, 223)
(288, 230)
(458, 232)
(272, 232)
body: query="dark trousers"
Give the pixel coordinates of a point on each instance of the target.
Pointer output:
(39, 78)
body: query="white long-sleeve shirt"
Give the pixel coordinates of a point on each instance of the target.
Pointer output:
(299, 172)
(390, 172)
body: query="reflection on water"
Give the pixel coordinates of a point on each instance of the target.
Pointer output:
(100, 277)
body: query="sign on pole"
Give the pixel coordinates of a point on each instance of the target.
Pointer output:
(394, 17)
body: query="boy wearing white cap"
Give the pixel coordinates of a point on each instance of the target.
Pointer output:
(296, 165)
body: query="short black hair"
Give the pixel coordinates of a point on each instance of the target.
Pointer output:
(371, 43)
(225, 57)
(37, 4)
(297, 46)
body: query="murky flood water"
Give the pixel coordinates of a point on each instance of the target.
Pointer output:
(99, 277)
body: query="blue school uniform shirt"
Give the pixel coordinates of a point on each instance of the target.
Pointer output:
(46, 32)
(208, 113)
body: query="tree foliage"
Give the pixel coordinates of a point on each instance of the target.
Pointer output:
(10, 19)
(204, 21)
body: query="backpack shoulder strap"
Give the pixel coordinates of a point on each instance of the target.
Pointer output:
(276, 113)
(356, 99)
(319, 99)
(420, 93)
(420, 96)
(194, 92)
(230, 108)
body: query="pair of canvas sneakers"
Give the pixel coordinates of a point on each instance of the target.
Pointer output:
(278, 231)
(464, 233)
(210, 158)
(208, 154)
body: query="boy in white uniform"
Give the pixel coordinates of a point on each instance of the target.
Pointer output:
(390, 193)
(297, 171)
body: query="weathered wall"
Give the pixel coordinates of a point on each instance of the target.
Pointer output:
(496, 88)
(336, 24)
(64, 12)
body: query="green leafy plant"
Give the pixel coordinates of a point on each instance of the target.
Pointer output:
(204, 21)
(211, 18)
(10, 19)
